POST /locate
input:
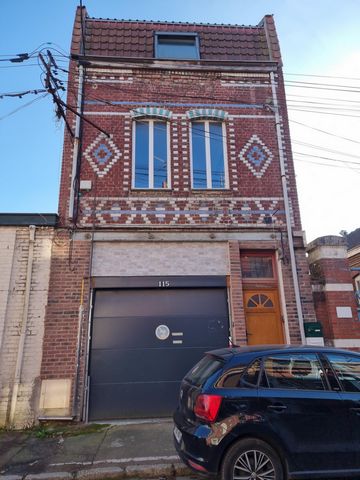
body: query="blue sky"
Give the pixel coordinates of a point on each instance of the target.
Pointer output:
(317, 37)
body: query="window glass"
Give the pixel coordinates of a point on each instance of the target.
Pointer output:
(207, 366)
(176, 46)
(357, 292)
(208, 158)
(231, 379)
(294, 371)
(260, 301)
(217, 156)
(257, 266)
(251, 376)
(151, 158)
(160, 155)
(198, 155)
(142, 155)
(240, 376)
(347, 369)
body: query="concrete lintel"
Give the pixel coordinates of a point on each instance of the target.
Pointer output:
(154, 236)
(333, 287)
(332, 252)
(346, 342)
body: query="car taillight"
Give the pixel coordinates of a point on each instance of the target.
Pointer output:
(207, 406)
(197, 466)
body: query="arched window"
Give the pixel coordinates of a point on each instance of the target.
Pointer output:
(209, 168)
(260, 300)
(151, 156)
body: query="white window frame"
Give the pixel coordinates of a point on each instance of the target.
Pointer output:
(151, 122)
(357, 289)
(208, 155)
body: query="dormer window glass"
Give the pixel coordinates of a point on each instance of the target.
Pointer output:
(177, 46)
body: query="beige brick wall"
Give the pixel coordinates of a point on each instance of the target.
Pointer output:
(167, 258)
(14, 250)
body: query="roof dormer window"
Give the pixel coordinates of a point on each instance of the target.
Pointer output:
(178, 45)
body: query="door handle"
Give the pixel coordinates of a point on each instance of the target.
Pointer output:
(277, 408)
(356, 410)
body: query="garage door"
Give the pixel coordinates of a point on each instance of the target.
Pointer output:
(144, 341)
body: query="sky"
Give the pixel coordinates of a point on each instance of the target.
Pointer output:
(320, 46)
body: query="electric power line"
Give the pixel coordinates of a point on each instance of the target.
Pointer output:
(23, 106)
(324, 131)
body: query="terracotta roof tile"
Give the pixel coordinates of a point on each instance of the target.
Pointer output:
(121, 38)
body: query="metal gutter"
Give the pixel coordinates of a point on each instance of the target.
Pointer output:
(287, 210)
(76, 142)
(26, 219)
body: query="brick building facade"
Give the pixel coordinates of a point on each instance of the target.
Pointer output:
(353, 254)
(179, 219)
(333, 291)
(25, 248)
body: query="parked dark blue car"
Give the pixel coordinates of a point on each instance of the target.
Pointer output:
(271, 413)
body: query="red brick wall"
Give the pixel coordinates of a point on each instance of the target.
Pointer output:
(177, 87)
(238, 326)
(331, 279)
(69, 285)
(236, 289)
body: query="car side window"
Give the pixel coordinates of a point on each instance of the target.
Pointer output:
(251, 375)
(241, 376)
(294, 371)
(231, 378)
(347, 369)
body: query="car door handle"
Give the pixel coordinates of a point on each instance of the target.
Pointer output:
(356, 410)
(277, 408)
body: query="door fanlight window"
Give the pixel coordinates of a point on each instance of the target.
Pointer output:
(260, 301)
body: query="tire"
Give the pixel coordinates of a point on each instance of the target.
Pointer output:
(251, 459)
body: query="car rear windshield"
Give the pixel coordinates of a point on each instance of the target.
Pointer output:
(203, 370)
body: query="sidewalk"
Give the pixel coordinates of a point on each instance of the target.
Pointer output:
(91, 452)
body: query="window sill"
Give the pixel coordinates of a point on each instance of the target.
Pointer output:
(133, 189)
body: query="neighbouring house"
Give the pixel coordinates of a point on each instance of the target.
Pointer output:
(25, 250)
(353, 245)
(331, 267)
(179, 224)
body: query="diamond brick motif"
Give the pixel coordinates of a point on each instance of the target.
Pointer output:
(102, 154)
(256, 156)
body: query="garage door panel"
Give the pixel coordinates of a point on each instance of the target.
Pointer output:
(134, 365)
(142, 400)
(193, 330)
(158, 302)
(135, 374)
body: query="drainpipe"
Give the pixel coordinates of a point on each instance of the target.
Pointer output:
(21, 347)
(76, 142)
(287, 209)
(78, 350)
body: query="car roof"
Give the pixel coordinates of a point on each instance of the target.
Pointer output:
(229, 352)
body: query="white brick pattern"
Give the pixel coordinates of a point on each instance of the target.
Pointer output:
(170, 211)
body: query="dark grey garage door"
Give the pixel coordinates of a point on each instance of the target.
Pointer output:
(144, 341)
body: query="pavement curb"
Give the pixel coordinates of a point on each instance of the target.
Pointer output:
(103, 473)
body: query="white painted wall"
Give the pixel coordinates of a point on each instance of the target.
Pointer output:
(14, 248)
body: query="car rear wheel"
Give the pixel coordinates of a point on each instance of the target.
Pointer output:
(251, 459)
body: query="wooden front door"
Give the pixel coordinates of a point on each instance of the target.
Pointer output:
(263, 319)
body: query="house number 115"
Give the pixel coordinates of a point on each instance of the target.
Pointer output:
(164, 283)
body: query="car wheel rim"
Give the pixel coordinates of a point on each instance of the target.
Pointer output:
(254, 465)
